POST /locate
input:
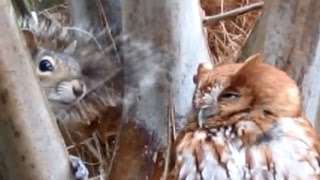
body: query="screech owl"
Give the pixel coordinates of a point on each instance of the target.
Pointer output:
(249, 125)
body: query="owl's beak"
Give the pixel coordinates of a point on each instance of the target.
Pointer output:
(200, 118)
(203, 114)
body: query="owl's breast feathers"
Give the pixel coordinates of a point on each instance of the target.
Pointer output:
(285, 151)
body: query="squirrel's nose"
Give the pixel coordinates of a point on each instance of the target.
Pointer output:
(78, 89)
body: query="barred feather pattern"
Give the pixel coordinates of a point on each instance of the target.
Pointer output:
(286, 151)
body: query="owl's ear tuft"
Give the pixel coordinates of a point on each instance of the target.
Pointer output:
(202, 69)
(251, 62)
(255, 58)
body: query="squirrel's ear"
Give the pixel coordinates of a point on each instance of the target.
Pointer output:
(202, 69)
(30, 40)
(71, 48)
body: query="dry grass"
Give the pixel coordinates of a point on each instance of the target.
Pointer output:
(227, 37)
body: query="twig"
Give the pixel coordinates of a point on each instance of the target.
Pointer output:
(171, 134)
(107, 24)
(210, 19)
(86, 33)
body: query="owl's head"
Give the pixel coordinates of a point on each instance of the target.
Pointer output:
(59, 73)
(254, 86)
(210, 82)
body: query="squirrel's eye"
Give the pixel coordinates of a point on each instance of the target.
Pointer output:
(45, 65)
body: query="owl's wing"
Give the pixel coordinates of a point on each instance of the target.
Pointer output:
(287, 151)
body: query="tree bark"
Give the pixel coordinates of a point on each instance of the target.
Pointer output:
(288, 35)
(112, 8)
(82, 13)
(31, 146)
(175, 29)
(44, 4)
(86, 15)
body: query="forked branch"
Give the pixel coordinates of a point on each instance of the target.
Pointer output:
(235, 12)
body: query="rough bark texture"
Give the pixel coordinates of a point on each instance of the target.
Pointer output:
(31, 146)
(82, 13)
(44, 4)
(87, 17)
(175, 30)
(113, 14)
(288, 35)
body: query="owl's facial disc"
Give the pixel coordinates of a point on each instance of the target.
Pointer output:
(208, 104)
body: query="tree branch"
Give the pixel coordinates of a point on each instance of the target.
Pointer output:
(211, 19)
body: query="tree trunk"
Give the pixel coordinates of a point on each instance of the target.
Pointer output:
(175, 29)
(112, 8)
(82, 13)
(30, 144)
(44, 4)
(288, 35)
(87, 17)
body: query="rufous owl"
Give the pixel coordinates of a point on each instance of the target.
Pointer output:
(249, 124)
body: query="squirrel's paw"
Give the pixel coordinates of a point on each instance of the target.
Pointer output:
(78, 168)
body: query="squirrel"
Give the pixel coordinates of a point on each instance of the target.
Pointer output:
(96, 75)
(75, 74)
(75, 79)
(60, 75)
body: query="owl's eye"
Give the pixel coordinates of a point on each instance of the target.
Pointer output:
(229, 95)
(45, 65)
